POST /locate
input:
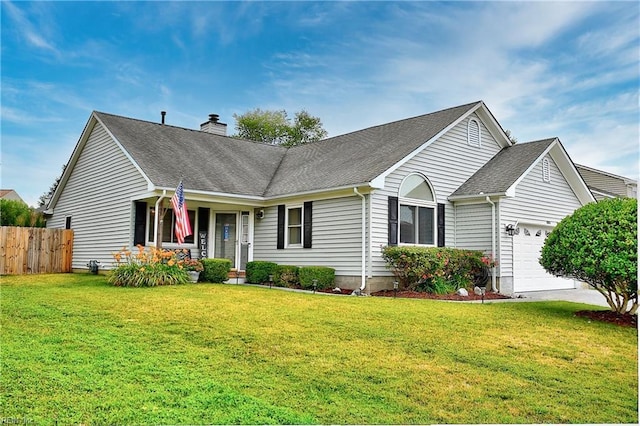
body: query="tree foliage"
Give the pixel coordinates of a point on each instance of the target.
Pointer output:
(598, 244)
(44, 199)
(276, 128)
(17, 213)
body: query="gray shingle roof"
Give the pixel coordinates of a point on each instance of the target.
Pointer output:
(360, 156)
(214, 163)
(207, 162)
(503, 170)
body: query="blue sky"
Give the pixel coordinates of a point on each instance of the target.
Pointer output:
(545, 69)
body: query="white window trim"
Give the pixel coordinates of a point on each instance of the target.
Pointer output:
(419, 203)
(546, 170)
(287, 244)
(477, 123)
(194, 226)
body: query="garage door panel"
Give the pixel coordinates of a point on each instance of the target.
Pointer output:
(528, 274)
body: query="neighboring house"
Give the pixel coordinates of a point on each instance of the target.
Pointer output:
(607, 185)
(450, 178)
(10, 194)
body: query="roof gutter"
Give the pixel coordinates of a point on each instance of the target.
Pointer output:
(363, 272)
(493, 242)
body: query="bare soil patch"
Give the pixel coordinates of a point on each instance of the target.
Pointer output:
(623, 320)
(423, 295)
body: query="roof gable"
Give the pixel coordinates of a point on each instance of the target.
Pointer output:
(360, 157)
(501, 175)
(205, 161)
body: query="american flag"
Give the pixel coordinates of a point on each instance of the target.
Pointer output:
(183, 227)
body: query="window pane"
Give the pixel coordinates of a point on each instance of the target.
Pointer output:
(425, 227)
(167, 227)
(192, 220)
(295, 216)
(416, 187)
(295, 235)
(152, 224)
(407, 224)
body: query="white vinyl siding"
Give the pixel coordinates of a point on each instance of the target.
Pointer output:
(535, 202)
(98, 198)
(448, 162)
(473, 227)
(336, 236)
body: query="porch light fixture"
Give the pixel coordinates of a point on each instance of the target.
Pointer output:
(510, 229)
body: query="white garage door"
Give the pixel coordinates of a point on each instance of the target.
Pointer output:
(528, 274)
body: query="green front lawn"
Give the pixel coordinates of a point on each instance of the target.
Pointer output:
(76, 350)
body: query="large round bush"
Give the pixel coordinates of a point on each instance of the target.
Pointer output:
(598, 244)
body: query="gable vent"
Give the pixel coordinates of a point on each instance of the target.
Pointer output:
(546, 170)
(473, 132)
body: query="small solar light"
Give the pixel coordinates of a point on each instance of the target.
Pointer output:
(315, 285)
(270, 280)
(395, 289)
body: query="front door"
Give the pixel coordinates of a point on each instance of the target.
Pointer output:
(226, 237)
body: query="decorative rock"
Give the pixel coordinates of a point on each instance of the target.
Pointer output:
(462, 292)
(337, 290)
(477, 290)
(356, 292)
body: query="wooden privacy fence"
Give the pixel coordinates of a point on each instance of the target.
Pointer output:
(35, 250)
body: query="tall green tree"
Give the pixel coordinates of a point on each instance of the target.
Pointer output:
(276, 128)
(598, 244)
(17, 213)
(46, 197)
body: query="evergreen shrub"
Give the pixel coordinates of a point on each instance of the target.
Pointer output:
(215, 270)
(258, 271)
(286, 276)
(324, 275)
(439, 270)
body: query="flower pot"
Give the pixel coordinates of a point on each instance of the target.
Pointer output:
(193, 276)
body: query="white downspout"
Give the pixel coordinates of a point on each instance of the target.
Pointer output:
(363, 273)
(493, 242)
(156, 218)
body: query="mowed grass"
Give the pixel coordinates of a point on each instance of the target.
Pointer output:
(78, 351)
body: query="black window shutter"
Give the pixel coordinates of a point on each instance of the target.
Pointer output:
(393, 221)
(280, 241)
(440, 225)
(306, 238)
(140, 223)
(203, 219)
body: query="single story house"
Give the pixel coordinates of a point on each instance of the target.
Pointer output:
(449, 178)
(10, 194)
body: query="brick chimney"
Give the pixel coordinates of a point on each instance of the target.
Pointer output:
(214, 126)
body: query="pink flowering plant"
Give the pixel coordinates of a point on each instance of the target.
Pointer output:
(438, 270)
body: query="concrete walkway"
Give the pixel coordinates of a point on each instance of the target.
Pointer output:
(578, 295)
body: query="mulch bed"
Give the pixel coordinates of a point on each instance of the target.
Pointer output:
(624, 320)
(422, 295)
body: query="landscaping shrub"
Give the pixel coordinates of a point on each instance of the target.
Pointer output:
(286, 276)
(215, 270)
(325, 276)
(258, 271)
(147, 269)
(437, 270)
(598, 244)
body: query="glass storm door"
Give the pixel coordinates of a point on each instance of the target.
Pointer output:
(244, 240)
(225, 237)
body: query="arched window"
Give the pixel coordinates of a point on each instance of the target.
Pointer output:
(417, 215)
